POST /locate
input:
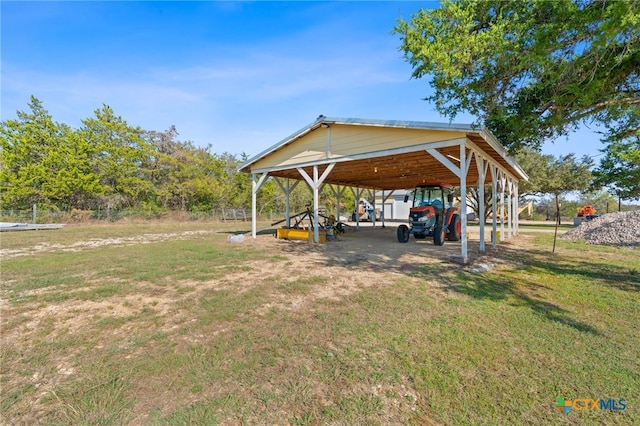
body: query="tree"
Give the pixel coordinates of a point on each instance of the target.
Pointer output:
(45, 163)
(537, 166)
(474, 201)
(553, 176)
(531, 71)
(25, 143)
(619, 170)
(566, 174)
(120, 153)
(71, 182)
(183, 177)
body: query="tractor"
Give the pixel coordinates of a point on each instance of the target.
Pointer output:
(430, 216)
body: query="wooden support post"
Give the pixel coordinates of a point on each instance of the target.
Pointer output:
(357, 193)
(314, 183)
(503, 180)
(494, 202)
(515, 208)
(510, 211)
(482, 171)
(256, 183)
(463, 200)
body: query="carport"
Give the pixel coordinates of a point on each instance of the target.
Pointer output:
(382, 155)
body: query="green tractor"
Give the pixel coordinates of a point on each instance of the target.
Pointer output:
(431, 216)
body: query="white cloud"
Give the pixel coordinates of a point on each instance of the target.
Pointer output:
(240, 97)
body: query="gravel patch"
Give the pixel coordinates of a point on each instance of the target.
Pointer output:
(100, 242)
(620, 228)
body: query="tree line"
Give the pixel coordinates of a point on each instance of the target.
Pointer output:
(108, 164)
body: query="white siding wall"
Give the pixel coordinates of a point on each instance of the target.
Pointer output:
(395, 208)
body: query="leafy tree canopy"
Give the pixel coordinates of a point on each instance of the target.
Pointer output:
(551, 175)
(619, 170)
(110, 164)
(44, 162)
(534, 70)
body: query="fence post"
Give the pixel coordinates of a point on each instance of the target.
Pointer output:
(34, 214)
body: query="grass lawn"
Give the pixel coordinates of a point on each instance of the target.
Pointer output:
(169, 324)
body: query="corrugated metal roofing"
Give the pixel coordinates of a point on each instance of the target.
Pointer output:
(477, 135)
(404, 124)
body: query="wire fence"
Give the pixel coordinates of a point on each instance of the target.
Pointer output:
(41, 216)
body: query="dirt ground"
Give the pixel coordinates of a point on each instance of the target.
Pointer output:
(376, 245)
(354, 261)
(380, 246)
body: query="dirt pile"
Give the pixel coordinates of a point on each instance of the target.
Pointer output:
(621, 228)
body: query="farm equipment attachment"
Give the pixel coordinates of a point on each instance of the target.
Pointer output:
(298, 230)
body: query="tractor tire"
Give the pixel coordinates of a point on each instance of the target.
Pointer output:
(419, 236)
(455, 228)
(403, 233)
(439, 235)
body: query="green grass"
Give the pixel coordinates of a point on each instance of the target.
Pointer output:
(189, 331)
(103, 399)
(547, 225)
(300, 286)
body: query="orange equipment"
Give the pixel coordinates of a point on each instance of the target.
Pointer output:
(585, 214)
(586, 210)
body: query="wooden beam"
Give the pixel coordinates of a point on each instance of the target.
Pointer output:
(446, 162)
(365, 156)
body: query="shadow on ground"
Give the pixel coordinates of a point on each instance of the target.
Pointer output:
(247, 232)
(378, 250)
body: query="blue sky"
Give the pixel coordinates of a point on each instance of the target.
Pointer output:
(239, 76)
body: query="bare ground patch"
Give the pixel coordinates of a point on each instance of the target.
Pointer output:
(99, 242)
(300, 277)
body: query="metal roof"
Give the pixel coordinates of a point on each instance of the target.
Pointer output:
(416, 161)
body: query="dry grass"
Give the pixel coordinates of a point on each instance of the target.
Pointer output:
(170, 324)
